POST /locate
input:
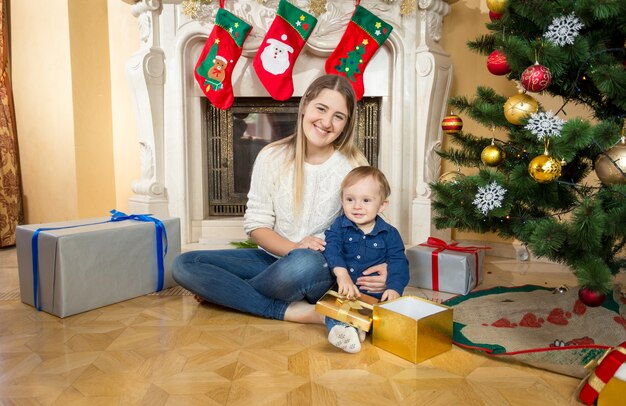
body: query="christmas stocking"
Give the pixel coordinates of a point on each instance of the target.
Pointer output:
(364, 35)
(218, 58)
(281, 46)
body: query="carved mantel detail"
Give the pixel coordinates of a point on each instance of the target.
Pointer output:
(146, 74)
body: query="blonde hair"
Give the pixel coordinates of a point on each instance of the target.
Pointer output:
(363, 172)
(295, 144)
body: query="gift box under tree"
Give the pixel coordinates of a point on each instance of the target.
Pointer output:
(71, 267)
(446, 267)
(606, 385)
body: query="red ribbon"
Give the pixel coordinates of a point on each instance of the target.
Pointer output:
(441, 245)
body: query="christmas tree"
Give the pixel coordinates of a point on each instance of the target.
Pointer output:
(556, 183)
(350, 65)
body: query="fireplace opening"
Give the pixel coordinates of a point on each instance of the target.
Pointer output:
(235, 137)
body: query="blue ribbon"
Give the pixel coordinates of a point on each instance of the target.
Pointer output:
(161, 235)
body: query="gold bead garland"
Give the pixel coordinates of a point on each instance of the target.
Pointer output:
(191, 8)
(317, 7)
(407, 7)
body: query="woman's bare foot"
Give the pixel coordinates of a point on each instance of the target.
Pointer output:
(303, 312)
(199, 299)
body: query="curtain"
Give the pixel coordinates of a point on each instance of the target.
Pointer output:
(10, 187)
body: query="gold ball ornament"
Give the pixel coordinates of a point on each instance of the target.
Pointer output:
(497, 6)
(607, 165)
(493, 155)
(451, 124)
(544, 168)
(519, 107)
(452, 177)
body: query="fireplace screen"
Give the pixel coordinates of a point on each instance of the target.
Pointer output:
(235, 137)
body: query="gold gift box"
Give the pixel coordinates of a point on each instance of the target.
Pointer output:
(357, 313)
(412, 328)
(613, 393)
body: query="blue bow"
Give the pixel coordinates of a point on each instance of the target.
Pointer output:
(161, 235)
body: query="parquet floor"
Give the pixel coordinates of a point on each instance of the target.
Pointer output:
(168, 350)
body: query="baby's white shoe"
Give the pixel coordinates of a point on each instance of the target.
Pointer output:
(345, 337)
(362, 334)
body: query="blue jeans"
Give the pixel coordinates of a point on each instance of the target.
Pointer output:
(330, 323)
(252, 281)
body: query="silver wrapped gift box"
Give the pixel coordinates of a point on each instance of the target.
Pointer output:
(446, 267)
(90, 263)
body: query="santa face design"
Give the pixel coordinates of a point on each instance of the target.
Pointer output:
(275, 56)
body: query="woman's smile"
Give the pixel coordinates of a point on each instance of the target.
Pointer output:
(324, 119)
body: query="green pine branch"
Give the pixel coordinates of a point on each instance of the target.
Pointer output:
(573, 220)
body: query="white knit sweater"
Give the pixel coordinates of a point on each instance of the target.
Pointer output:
(270, 199)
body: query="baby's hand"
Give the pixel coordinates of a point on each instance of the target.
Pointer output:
(389, 294)
(347, 288)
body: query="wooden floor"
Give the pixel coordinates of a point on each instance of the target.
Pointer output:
(168, 350)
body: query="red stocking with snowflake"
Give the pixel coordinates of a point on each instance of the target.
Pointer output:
(364, 35)
(221, 52)
(281, 46)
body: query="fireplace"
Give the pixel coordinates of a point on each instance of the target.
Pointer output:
(182, 163)
(235, 136)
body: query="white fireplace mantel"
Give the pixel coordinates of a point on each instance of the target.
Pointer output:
(411, 74)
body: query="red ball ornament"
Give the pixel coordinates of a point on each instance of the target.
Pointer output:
(590, 297)
(451, 124)
(496, 63)
(536, 78)
(494, 16)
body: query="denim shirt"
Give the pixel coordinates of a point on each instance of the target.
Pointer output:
(348, 247)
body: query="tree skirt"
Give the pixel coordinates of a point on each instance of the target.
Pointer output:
(533, 325)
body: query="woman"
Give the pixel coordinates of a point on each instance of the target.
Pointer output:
(293, 199)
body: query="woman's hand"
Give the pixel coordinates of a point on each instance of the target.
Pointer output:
(272, 242)
(374, 279)
(389, 294)
(312, 243)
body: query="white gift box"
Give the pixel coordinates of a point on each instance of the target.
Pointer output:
(452, 268)
(82, 265)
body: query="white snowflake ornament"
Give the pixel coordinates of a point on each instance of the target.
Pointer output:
(563, 30)
(489, 197)
(545, 125)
